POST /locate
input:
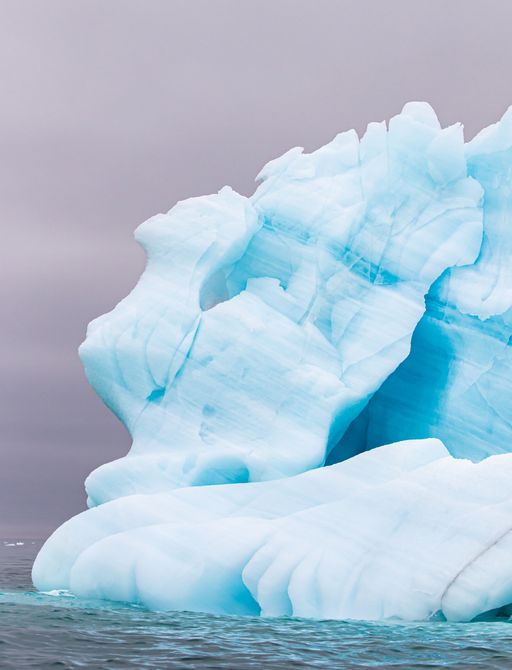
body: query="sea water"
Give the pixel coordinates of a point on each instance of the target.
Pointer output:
(59, 631)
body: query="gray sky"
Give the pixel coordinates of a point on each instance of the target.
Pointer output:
(112, 110)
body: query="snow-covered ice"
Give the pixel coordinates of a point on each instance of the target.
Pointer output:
(271, 334)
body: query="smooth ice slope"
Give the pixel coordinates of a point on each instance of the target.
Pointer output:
(457, 382)
(401, 531)
(262, 327)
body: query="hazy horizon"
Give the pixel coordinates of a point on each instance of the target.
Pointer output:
(114, 111)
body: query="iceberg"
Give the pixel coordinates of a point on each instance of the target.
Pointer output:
(361, 297)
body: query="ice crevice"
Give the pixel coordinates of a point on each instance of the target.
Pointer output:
(361, 297)
(495, 601)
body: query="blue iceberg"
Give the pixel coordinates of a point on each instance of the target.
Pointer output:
(361, 297)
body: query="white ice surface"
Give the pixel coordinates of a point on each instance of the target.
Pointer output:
(403, 531)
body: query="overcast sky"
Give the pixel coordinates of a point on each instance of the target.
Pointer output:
(112, 110)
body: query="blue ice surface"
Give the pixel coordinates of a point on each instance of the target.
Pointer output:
(455, 383)
(262, 327)
(361, 297)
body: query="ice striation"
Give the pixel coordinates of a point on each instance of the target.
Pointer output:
(261, 328)
(456, 383)
(362, 296)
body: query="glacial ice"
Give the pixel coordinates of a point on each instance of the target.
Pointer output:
(261, 328)
(456, 382)
(403, 531)
(362, 296)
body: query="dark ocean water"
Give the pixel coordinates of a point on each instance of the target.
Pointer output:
(44, 631)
